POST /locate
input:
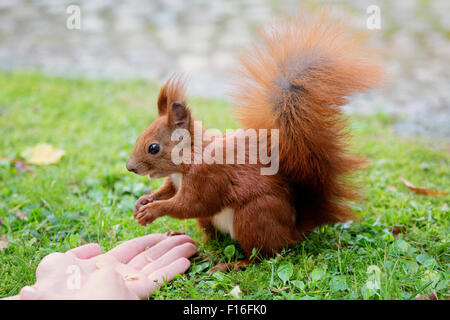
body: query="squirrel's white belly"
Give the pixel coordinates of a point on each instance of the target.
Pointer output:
(223, 221)
(177, 180)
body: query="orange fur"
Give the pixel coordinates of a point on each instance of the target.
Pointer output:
(294, 81)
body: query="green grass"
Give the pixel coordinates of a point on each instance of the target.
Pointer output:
(88, 197)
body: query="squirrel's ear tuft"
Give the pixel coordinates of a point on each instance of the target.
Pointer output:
(173, 90)
(179, 115)
(162, 101)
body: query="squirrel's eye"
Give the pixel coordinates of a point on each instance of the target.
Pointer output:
(153, 148)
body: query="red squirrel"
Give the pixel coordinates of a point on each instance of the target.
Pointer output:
(294, 81)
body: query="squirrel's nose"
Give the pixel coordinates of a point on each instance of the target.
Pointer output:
(131, 167)
(132, 170)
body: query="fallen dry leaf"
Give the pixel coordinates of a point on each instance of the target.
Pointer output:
(396, 230)
(21, 216)
(422, 191)
(428, 296)
(21, 166)
(18, 164)
(279, 290)
(3, 243)
(43, 153)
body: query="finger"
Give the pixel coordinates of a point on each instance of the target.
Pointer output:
(144, 207)
(135, 211)
(87, 251)
(150, 198)
(156, 251)
(139, 204)
(144, 200)
(131, 248)
(145, 287)
(167, 273)
(141, 211)
(140, 214)
(146, 219)
(28, 293)
(184, 250)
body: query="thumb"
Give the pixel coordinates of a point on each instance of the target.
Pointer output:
(87, 251)
(29, 293)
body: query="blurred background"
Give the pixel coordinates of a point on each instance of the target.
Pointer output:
(152, 39)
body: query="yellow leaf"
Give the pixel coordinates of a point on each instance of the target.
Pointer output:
(43, 153)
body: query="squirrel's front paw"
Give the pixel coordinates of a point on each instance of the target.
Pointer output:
(142, 201)
(147, 214)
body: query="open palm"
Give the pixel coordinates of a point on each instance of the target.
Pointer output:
(132, 270)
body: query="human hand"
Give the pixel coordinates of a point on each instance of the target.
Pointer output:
(132, 270)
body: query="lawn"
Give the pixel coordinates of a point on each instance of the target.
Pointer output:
(398, 249)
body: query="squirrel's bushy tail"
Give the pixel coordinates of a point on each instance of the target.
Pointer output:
(294, 80)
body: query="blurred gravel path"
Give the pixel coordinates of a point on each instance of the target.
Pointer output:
(155, 38)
